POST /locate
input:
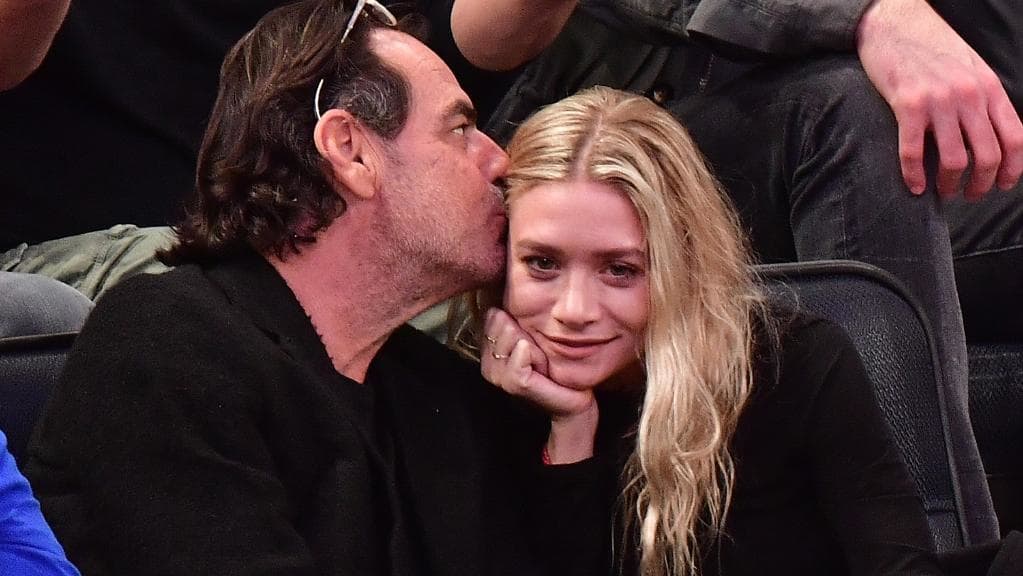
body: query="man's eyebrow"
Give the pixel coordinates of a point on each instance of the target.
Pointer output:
(462, 108)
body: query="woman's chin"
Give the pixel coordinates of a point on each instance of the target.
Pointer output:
(586, 376)
(576, 377)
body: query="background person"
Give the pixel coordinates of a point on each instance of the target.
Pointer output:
(27, 545)
(30, 303)
(28, 30)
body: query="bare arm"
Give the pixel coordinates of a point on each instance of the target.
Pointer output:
(504, 34)
(935, 82)
(27, 28)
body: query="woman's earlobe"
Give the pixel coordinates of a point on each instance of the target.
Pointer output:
(342, 142)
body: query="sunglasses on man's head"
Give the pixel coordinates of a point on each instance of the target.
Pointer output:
(380, 11)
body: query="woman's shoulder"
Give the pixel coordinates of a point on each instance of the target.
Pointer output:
(790, 333)
(795, 325)
(797, 352)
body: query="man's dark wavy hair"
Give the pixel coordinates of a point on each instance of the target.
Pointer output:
(260, 182)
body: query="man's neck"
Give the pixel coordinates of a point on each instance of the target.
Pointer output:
(354, 296)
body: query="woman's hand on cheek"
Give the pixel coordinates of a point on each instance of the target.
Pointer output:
(510, 360)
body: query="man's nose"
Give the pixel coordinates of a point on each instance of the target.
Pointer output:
(494, 160)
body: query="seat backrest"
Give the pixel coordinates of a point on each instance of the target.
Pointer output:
(29, 369)
(996, 410)
(895, 342)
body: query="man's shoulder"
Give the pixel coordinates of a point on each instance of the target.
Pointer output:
(176, 331)
(182, 293)
(420, 351)
(433, 368)
(176, 282)
(165, 314)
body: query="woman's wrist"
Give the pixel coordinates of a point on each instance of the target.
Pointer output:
(572, 437)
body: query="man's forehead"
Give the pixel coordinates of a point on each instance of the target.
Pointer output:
(428, 76)
(407, 54)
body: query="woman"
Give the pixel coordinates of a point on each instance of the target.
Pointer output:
(717, 434)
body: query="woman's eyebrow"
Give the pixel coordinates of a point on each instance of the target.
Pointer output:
(536, 245)
(610, 253)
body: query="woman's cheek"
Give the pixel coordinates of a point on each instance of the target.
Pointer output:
(524, 295)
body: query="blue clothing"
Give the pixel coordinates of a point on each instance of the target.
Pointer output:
(27, 545)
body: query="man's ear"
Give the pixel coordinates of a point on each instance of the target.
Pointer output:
(341, 140)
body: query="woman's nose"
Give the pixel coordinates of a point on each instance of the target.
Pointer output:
(577, 304)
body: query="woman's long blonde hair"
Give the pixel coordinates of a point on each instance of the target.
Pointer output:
(703, 303)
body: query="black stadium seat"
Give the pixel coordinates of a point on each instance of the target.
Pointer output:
(29, 369)
(895, 343)
(996, 409)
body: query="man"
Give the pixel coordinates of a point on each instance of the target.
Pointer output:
(260, 409)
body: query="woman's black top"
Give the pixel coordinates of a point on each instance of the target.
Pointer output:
(821, 487)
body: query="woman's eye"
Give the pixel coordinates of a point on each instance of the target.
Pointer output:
(621, 270)
(623, 275)
(540, 263)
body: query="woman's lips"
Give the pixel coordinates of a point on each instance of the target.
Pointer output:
(574, 348)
